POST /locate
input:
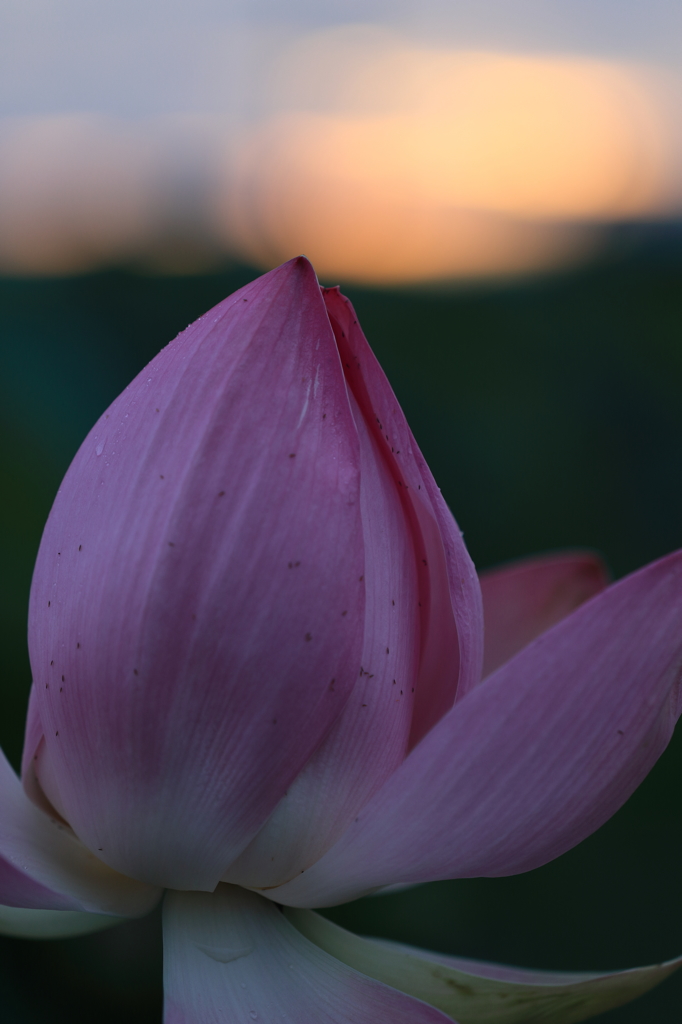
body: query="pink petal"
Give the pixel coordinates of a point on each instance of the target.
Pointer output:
(369, 739)
(232, 956)
(451, 615)
(186, 612)
(531, 762)
(523, 599)
(43, 866)
(473, 992)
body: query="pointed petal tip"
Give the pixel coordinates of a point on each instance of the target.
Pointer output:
(297, 271)
(300, 265)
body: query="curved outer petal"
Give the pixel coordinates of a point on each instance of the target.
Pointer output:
(369, 739)
(52, 924)
(33, 737)
(186, 610)
(480, 993)
(452, 617)
(525, 598)
(43, 866)
(232, 956)
(35, 761)
(531, 762)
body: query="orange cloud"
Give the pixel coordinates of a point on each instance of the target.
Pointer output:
(438, 163)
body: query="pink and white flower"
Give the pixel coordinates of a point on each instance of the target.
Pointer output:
(257, 645)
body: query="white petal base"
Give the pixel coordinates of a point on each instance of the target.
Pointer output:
(44, 866)
(232, 956)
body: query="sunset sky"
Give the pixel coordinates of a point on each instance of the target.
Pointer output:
(391, 141)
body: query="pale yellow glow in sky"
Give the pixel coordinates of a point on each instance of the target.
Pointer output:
(383, 160)
(435, 163)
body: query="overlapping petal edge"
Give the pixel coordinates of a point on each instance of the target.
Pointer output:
(533, 760)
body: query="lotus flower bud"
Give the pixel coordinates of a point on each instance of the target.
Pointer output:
(257, 645)
(250, 600)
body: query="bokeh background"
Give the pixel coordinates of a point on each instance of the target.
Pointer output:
(498, 188)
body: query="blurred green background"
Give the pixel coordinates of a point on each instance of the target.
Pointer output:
(551, 414)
